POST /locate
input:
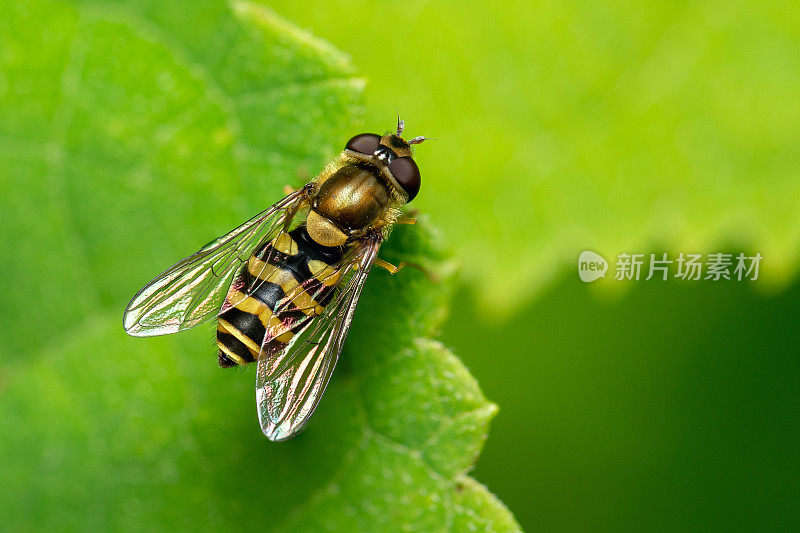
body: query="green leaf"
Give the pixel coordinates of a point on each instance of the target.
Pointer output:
(131, 134)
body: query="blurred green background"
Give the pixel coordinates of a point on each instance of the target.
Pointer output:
(614, 127)
(561, 127)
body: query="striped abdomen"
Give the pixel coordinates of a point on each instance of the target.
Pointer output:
(284, 285)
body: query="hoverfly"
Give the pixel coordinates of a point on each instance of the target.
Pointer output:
(284, 285)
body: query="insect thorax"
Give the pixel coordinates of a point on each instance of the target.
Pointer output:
(349, 200)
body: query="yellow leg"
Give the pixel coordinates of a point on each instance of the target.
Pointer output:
(395, 269)
(388, 266)
(288, 189)
(409, 217)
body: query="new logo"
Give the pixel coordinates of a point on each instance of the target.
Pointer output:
(591, 266)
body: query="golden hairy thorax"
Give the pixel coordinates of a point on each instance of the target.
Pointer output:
(350, 198)
(353, 197)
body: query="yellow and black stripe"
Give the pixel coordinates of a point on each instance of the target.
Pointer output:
(293, 274)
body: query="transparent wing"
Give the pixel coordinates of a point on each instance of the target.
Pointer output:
(290, 384)
(193, 290)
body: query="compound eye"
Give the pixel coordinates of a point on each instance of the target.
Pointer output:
(406, 172)
(365, 143)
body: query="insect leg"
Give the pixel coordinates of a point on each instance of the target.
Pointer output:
(392, 269)
(388, 266)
